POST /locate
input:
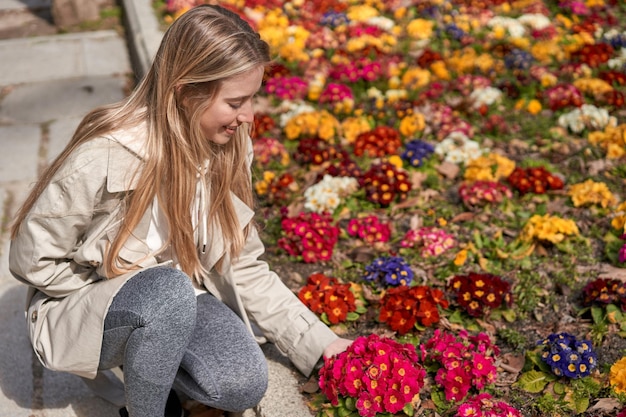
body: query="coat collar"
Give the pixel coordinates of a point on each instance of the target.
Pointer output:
(125, 156)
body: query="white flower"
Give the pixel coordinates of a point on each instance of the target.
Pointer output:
(326, 194)
(536, 21)
(486, 95)
(457, 148)
(515, 28)
(292, 108)
(382, 22)
(586, 116)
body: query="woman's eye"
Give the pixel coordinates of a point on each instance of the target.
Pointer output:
(234, 106)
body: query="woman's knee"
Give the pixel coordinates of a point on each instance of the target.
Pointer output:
(158, 293)
(247, 390)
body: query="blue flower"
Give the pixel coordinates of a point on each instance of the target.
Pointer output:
(334, 19)
(518, 59)
(416, 152)
(389, 270)
(567, 356)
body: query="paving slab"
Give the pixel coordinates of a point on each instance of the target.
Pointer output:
(19, 158)
(47, 58)
(43, 102)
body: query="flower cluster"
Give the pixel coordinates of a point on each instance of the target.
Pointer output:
(484, 405)
(535, 180)
(617, 376)
(269, 149)
(382, 375)
(464, 362)
(276, 189)
(384, 183)
(327, 194)
(378, 142)
(567, 356)
(612, 139)
(489, 167)
(605, 291)
(458, 148)
(403, 307)
(586, 116)
(316, 151)
(370, 229)
(416, 152)
(432, 241)
(482, 193)
(310, 235)
(287, 88)
(548, 228)
(480, 293)
(590, 192)
(314, 123)
(389, 270)
(328, 297)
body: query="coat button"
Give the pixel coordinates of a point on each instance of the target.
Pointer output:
(33, 316)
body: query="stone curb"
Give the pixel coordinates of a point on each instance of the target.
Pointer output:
(143, 33)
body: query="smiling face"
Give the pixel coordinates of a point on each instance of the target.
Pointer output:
(231, 107)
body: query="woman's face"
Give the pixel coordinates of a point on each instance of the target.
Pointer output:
(231, 107)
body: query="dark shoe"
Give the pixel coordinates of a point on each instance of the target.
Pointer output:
(173, 407)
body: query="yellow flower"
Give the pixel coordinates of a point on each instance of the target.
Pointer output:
(461, 257)
(617, 376)
(591, 192)
(619, 221)
(440, 71)
(415, 78)
(361, 13)
(395, 160)
(593, 86)
(490, 167)
(412, 124)
(534, 106)
(548, 228)
(317, 123)
(547, 52)
(612, 139)
(420, 28)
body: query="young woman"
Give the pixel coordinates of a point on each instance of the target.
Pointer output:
(138, 242)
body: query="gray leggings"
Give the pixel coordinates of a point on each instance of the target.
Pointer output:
(165, 337)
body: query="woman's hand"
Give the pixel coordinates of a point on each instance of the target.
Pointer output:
(336, 347)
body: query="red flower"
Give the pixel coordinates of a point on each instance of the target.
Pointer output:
(402, 307)
(325, 295)
(479, 293)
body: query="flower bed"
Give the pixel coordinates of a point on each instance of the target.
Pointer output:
(449, 175)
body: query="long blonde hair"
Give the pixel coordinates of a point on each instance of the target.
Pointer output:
(199, 50)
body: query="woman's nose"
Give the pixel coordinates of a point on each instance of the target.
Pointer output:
(246, 115)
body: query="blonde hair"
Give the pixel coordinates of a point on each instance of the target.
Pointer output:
(203, 47)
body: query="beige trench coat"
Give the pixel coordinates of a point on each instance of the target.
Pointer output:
(59, 253)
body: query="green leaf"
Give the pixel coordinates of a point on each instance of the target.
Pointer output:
(324, 318)
(439, 399)
(456, 317)
(580, 404)
(509, 315)
(361, 309)
(559, 388)
(351, 403)
(408, 409)
(532, 381)
(352, 316)
(597, 314)
(343, 412)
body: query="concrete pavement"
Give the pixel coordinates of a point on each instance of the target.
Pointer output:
(46, 85)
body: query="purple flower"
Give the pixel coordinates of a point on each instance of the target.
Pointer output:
(567, 356)
(389, 270)
(417, 151)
